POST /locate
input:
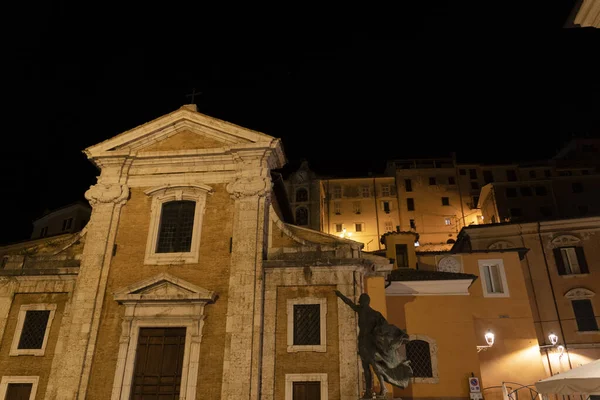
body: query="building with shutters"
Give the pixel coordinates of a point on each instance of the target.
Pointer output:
(562, 279)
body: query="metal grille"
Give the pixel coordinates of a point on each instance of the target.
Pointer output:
(307, 324)
(176, 226)
(34, 329)
(417, 351)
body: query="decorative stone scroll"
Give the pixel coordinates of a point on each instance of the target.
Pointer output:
(248, 187)
(579, 293)
(103, 193)
(501, 244)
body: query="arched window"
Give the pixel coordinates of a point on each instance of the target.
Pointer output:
(301, 195)
(419, 354)
(301, 216)
(176, 226)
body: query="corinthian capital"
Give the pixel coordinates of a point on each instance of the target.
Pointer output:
(107, 193)
(249, 186)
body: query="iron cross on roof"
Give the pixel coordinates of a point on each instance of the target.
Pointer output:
(193, 95)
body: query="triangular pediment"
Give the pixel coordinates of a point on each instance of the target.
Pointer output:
(183, 129)
(164, 287)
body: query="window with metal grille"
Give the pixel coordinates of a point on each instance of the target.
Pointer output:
(584, 315)
(417, 351)
(176, 226)
(307, 324)
(34, 329)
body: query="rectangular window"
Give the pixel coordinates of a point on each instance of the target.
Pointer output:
(511, 192)
(541, 190)
(159, 375)
(532, 174)
(408, 185)
(474, 186)
(413, 224)
(359, 227)
(493, 278)
(385, 206)
(19, 387)
(44, 231)
(402, 256)
(33, 328)
(445, 201)
(339, 228)
(448, 221)
(356, 207)
(462, 171)
(570, 260)
(366, 191)
(584, 315)
(337, 192)
(310, 390)
(516, 212)
(388, 226)
(511, 175)
(385, 191)
(307, 324)
(526, 191)
(545, 211)
(488, 177)
(410, 204)
(176, 227)
(432, 180)
(451, 180)
(577, 187)
(67, 223)
(337, 208)
(473, 173)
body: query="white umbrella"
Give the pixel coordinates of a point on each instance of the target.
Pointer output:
(584, 379)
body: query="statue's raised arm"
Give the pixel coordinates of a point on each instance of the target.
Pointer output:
(347, 300)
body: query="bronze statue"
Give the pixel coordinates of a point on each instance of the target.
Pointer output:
(378, 347)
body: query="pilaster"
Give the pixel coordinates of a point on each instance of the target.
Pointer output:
(242, 361)
(69, 378)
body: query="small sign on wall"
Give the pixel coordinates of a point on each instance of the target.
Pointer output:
(474, 385)
(476, 396)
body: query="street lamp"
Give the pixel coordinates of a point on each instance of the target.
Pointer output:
(553, 338)
(345, 233)
(489, 339)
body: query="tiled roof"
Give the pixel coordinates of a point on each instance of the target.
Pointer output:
(409, 274)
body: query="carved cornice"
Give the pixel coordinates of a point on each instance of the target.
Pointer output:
(107, 193)
(249, 187)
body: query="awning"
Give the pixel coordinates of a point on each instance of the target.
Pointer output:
(580, 380)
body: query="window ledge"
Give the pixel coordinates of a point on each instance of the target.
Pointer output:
(425, 380)
(171, 258)
(588, 332)
(27, 352)
(570, 276)
(319, 348)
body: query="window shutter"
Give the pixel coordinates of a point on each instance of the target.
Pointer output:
(584, 315)
(560, 265)
(583, 267)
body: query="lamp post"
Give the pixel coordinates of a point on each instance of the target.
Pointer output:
(345, 233)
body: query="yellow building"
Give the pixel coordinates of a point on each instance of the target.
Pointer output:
(447, 303)
(362, 209)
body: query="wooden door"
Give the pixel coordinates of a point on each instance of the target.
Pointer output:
(18, 391)
(158, 364)
(307, 390)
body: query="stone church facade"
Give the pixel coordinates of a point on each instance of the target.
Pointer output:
(186, 283)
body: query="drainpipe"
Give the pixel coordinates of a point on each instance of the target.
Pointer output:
(456, 174)
(562, 332)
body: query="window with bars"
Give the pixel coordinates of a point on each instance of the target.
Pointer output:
(419, 354)
(176, 227)
(307, 324)
(34, 329)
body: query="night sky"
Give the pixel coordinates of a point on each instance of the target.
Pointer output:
(345, 89)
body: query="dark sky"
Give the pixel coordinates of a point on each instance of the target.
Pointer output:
(344, 88)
